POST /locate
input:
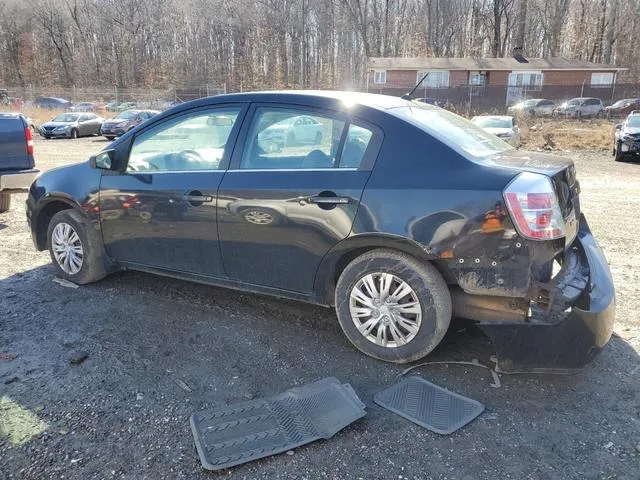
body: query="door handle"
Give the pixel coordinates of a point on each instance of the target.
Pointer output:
(321, 200)
(196, 198)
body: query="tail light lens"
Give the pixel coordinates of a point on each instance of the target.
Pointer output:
(29, 138)
(534, 207)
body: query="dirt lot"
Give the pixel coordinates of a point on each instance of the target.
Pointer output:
(161, 349)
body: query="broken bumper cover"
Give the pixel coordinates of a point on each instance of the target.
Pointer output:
(578, 334)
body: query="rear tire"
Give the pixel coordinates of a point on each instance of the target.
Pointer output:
(425, 309)
(93, 261)
(5, 202)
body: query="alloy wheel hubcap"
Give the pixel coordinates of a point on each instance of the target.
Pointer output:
(67, 248)
(258, 218)
(385, 309)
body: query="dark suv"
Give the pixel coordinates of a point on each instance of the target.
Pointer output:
(626, 138)
(399, 214)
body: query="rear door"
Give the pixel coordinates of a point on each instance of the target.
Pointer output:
(161, 212)
(282, 208)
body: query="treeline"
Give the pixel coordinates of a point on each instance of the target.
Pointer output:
(290, 43)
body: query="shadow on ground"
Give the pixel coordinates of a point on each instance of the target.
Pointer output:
(157, 350)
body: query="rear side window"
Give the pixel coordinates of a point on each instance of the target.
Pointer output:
(355, 146)
(453, 130)
(291, 139)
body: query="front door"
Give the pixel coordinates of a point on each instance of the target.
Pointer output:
(161, 212)
(283, 205)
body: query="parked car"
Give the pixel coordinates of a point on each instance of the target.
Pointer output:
(622, 108)
(502, 126)
(52, 103)
(580, 107)
(112, 106)
(84, 107)
(16, 103)
(125, 106)
(536, 107)
(626, 138)
(72, 125)
(17, 164)
(125, 121)
(291, 131)
(433, 218)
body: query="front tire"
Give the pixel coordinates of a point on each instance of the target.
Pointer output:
(75, 248)
(392, 306)
(74, 134)
(618, 156)
(5, 202)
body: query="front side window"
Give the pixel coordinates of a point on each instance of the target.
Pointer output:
(291, 139)
(196, 141)
(435, 79)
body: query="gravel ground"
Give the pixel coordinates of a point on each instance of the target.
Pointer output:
(158, 350)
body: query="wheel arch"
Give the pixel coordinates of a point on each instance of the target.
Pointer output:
(352, 247)
(46, 213)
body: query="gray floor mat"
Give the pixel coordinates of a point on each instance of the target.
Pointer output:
(429, 405)
(246, 431)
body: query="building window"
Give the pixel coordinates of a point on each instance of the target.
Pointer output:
(380, 76)
(526, 80)
(435, 79)
(601, 80)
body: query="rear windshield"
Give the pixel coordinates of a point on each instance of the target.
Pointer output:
(453, 130)
(492, 122)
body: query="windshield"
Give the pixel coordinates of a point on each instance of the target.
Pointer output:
(575, 101)
(455, 131)
(65, 117)
(529, 103)
(634, 121)
(621, 103)
(125, 115)
(492, 122)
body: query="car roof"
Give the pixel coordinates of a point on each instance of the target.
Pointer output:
(309, 97)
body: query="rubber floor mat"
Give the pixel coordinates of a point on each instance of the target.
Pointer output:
(246, 431)
(429, 405)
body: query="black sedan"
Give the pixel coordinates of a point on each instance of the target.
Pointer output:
(400, 215)
(72, 125)
(125, 121)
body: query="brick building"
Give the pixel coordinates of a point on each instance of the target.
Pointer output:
(503, 80)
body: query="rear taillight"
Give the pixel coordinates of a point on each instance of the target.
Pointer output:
(534, 208)
(29, 138)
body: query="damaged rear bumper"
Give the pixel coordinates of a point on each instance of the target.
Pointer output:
(563, 341)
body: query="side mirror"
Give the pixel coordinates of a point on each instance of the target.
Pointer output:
(618, 126)
(104, 160)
